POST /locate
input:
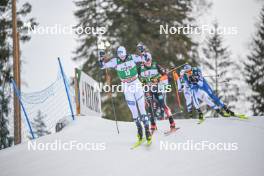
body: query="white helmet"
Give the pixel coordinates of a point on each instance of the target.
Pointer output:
(187, 67)
(121, 52)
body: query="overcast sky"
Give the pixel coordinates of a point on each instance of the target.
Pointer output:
(40, 54)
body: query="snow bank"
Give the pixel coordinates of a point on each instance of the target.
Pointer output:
(109, 154)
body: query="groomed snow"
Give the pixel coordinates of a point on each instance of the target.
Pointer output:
(119, 160)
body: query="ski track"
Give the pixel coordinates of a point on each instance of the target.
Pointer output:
(118, 159)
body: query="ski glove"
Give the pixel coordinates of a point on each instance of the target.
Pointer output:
(100, 63)
(200, 83)
(194, 86)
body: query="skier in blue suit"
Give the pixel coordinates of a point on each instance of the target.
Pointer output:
(197, 81)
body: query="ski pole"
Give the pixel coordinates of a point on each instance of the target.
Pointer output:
(108, 80)
(113, 107)
(211, 76)
(175, 78)
(176, 68)
(102, 54)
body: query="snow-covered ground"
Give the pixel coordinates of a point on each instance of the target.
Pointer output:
(115, 158)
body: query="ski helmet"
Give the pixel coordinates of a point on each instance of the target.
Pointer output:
(196, 71)
(141, 47)
(187, 67)
(121, 52)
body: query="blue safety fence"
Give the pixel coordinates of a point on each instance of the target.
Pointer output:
(42, 110)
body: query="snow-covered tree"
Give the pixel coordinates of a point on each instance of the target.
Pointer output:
(254, 67)
(6, 60)
(223, 71)
(39, 126)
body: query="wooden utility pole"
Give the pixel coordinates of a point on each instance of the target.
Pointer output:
(16, 72)
(77, 92)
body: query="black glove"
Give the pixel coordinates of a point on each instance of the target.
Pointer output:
(193, 79)
(101, 54)
(101, 58)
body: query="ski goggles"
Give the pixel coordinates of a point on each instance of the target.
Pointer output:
(141, 48)
(189, 72)
(121, 55)
(148, 60)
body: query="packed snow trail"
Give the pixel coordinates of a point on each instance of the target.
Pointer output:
(118, 159)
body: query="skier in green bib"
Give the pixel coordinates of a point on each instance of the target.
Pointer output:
(125, 65)
(150, 74)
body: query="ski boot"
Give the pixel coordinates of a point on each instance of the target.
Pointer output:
(172, 124)
(222, 113)
(153, 128)
(148, 135)
(190, 114)
(140, 141)
(200, 116)
(147, 131)
(140, 138)
(172, 127)
(231, 113)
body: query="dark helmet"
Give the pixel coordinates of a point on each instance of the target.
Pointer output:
(141, 47)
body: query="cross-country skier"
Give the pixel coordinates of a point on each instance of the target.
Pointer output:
(125, 65)
(197, 83)
(163, 84)
(199, 94)
(184, 87)
(150, 74)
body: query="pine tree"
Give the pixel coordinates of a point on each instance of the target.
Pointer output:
(5, 138)
(127, 23)
(254, 67)
(222, 70)
(39, 126)
(5, 61)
